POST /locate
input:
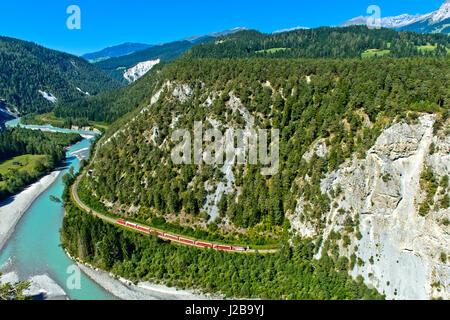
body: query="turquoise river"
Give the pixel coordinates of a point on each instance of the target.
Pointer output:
(34, 247)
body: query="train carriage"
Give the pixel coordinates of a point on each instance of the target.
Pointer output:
(222, 247)
(171, 236)
(131, 225)
(147, 230)
(180, 239)
(188, 241)
(203, 244)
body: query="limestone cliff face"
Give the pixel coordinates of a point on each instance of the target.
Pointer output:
(402, 253)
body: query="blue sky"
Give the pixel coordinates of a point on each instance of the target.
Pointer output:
(105, 23)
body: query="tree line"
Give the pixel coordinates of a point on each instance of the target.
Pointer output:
(324, 42)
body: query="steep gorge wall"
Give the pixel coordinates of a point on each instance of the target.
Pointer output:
(400, 251)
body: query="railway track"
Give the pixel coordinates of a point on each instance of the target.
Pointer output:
(146, 230)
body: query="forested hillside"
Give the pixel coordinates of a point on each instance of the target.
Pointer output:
(425, 26)
(345, 102)
(28, 72)
(325, 42)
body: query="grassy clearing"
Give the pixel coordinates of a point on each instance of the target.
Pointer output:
(273, 50)
(429, 48)
(370, 53)
(30, 164)
(49, 118)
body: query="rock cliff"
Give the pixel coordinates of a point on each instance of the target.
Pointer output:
(400, 248)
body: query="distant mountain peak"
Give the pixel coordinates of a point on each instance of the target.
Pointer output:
(431, 22)
(386, 22)
(442, 13)
(214, 34)
(291, 29)
(115, 51)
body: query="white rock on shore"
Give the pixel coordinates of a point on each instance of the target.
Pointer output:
(45, 287)
(41, 286)
(125, 290)
(10, 277)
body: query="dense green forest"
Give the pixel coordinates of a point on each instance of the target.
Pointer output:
(324, 42)
(346, 102)
(292, 273)
(316, 43)
(165, 52)
(26, 68)
(49, 149)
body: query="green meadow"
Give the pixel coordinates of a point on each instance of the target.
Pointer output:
(30, 165)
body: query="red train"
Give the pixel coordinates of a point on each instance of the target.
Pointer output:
(180, 239)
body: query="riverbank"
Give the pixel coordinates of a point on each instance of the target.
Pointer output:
(126, 290)
(12, 209)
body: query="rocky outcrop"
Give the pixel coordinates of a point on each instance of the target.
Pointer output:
(133, 74)
(319, 148)
(401, 252)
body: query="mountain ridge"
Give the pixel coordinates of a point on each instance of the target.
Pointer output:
(437, 21)
(130, 47)
(118, 67)
(115, 51)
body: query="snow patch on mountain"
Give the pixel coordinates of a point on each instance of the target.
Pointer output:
(48, 96)
(86, 93)
(404, 20)
(441, 14)
(386, 22)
